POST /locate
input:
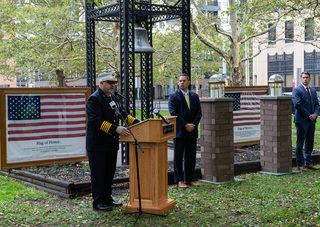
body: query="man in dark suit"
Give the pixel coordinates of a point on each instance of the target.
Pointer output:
(185, 104)
(102, 140)
(307, 108)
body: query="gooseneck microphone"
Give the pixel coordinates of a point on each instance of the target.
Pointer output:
(121, 96)
(156, 112)
(114, 107)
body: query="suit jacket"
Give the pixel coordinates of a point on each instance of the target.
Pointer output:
(304, 105)
(178, 107)
(102, 122)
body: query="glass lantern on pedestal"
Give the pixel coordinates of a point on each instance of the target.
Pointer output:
(275, 85)
(216, 83)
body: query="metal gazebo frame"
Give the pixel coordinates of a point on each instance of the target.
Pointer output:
(127, 12)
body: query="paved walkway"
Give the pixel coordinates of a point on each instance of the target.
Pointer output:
(170, 155)
(160, 105)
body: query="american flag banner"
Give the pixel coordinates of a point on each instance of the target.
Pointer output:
(246, 114)
(45, 126)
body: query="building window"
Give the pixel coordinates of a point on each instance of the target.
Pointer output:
(289, 31)
(309, 29)
(161, 25)
(272, 34)
(312, 65)
(213, 2)
(281, 64)
(212, 15)
(202, 2)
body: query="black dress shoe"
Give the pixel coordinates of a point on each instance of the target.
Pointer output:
(114, 203)
(102, 207)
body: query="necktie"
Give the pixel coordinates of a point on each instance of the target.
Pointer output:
(308, 92)
(187, 100)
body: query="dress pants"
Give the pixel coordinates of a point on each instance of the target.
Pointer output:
(103, 166)
(305, 135)
(185, 150)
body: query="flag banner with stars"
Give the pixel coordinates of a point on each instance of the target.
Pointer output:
(23, 107)
(46, 125)
(246, 114)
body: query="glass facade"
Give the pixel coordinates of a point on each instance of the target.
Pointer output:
(272, 34)
(289, 31)
(281, 64)
(312, 65)
(309, 29)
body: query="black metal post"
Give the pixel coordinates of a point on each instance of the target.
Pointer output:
(90, 44)
(127, 12)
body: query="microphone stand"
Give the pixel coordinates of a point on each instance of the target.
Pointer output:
(137, 144)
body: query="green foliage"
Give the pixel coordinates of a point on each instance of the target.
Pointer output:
(204, 60)
(44, 37)
(167, 58)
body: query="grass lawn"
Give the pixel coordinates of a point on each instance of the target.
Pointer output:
(162, 112)
(259, 200)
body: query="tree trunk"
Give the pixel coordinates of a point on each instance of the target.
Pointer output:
(235, 64)
(236, 75)
(61, 78)
(163, 93)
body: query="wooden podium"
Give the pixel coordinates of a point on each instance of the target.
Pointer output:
(152, 134)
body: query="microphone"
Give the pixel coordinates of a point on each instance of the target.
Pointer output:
(156, 112)
(114, 107)
(121, 96)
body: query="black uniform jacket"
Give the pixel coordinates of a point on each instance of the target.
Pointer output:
(102, 122)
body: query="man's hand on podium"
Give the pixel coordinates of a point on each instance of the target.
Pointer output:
(122, 131)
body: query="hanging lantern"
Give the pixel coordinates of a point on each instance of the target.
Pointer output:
(141, 43)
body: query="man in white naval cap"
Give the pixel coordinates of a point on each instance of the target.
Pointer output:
(102, 140)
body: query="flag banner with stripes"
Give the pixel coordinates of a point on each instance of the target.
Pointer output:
(246, 114)
(45, 126)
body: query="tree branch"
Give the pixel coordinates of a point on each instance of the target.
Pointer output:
(207, 42)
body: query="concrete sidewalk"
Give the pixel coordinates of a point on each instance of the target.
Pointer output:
(160, 105)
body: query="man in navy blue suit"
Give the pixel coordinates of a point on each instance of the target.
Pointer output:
(307, 108)
(185, 104)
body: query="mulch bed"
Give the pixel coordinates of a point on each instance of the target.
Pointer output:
(80, 172)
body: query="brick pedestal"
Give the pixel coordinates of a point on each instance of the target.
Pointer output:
(275, 139)
(217, 155)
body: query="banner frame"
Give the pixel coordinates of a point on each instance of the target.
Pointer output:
(247, 88)
(3, 123)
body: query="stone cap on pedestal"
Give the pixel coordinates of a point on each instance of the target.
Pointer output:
(268, 97)
(204, 100)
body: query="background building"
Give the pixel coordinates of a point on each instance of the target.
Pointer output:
(290, 51)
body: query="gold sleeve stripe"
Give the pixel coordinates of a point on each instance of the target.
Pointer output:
(105, 126)
(130, 119)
